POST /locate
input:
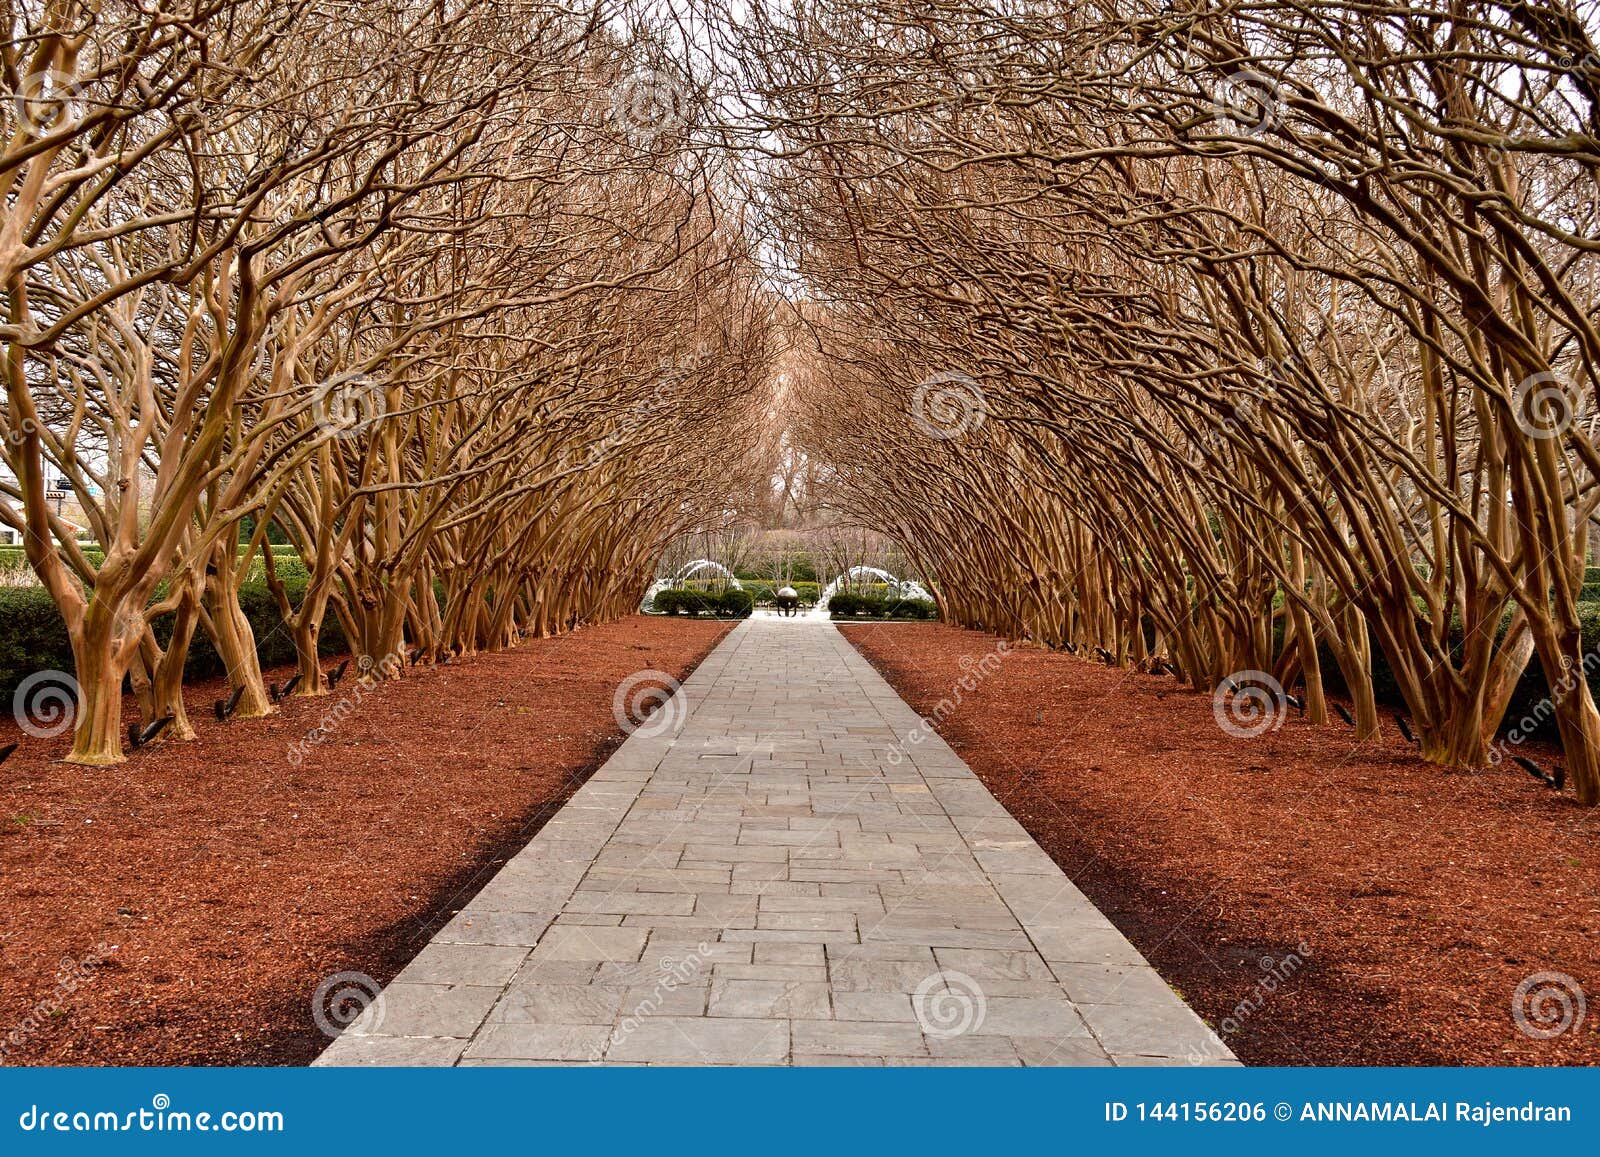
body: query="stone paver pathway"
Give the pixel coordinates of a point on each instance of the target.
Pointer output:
(770, 872)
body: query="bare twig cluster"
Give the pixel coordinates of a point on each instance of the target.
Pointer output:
(1220, 336)
(447, 293)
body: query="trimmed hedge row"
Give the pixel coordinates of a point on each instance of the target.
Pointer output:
(34, 638)
(764, 590)
(729, 604)
(849, 605)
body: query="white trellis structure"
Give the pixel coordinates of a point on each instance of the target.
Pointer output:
(898, 588)
(686, 572)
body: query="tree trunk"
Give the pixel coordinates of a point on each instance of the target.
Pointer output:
(97, 736)
(236, 644)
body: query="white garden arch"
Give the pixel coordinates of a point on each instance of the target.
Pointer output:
(898, 588)
(686, 572)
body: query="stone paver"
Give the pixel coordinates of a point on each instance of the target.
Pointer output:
(783, 866)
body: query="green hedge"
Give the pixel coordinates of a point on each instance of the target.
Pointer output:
(729, 604)
(13, 556)
(850, 605)
(34, 638)
(765, 590)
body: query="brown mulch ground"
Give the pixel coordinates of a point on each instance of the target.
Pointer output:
(1422, 897)
(225, 882)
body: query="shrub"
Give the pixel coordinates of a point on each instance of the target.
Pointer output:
(731, 603)
(736, 603)
(844, 605)
(851, 605)
(34, 638)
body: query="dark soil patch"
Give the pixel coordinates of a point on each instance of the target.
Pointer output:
(1415, 900)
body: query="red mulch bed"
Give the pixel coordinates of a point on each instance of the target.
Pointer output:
(1423, 897)
(227, 882)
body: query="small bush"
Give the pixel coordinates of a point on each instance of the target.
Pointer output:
(850, 605)
(736, 603)
(33, 636)
(731, 603)
(844, 605)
